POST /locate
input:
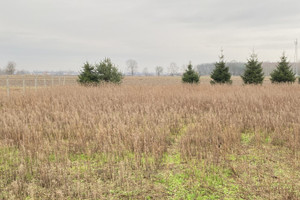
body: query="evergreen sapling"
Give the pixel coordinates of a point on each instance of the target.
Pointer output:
(190, 75)
(221, 73)
(283, 72)
(254, 71)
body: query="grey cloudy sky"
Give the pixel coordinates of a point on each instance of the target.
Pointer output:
(62, 34)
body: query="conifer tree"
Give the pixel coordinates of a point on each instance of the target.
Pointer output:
(190, 75)
(283, 72)
(108, 72)
(88, 75)
(221, 73)
(254, 71)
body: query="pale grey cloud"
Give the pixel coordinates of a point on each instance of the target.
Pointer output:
(52, 34)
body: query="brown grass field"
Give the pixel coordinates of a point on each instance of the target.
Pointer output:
(151, 138)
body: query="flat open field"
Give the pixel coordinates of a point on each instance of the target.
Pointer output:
(151, 138)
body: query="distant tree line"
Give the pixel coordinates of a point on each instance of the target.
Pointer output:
(235, 68)
(205, 69)
(11, 69)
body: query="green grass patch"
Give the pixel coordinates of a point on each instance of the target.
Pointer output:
(9, 158)
(172, 159)
(247, 138)
(197, 180)
(9, 163)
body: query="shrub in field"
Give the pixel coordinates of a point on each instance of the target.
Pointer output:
(283, 72)
(254, 72)
(88, 75)
(221, 73)
(190, 75)
(105, 71)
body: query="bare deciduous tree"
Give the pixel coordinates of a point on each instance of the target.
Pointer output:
(132, 66)
(10, 68)
(173, 69)
(145, 71)
(159, 70)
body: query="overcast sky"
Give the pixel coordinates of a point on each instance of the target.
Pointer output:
(63, 34)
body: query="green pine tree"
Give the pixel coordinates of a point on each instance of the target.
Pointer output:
(190, 75)
(88, 75)
(221, 73)
(254, 71)
(283, 72)
(108, 72)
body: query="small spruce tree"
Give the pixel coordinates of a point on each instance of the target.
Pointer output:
(108, 72)
(190, 75)
(283, 72)
(88, 75)
(221, 73)
(254, 71)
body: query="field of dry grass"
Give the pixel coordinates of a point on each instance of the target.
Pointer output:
(151, 138)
